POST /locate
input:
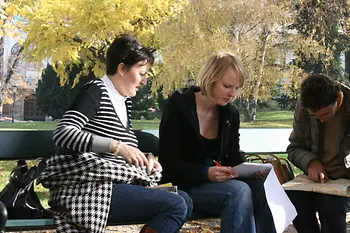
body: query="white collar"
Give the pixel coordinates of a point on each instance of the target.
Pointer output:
(115, 94)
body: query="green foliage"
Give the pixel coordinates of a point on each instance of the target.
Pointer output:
(145, 101)
(140, 115)
(326, 22)
(79, 31)
(257, 31)
(54, 99)
(160, 99)
(10, 12)
(144, 98)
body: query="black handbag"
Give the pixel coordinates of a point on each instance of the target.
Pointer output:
(19, 196)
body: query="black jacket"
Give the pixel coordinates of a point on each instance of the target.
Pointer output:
(181, 151)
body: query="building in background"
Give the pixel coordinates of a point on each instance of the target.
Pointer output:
(25, 78)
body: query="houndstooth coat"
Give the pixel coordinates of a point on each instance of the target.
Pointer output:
(80, 182)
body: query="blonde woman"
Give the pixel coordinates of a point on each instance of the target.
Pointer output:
(199, 145)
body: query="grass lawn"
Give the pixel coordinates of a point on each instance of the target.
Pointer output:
(41, 125)
(268, 119)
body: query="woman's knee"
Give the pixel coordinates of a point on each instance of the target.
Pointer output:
(238, 188)
(178, 206)
(188, 201)
(238, 193)
(173, 214)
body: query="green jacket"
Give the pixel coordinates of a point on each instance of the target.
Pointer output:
(307, 137)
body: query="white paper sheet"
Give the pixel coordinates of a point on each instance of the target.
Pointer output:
(247, 170)
(283, 211)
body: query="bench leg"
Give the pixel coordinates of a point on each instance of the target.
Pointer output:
(3, 217)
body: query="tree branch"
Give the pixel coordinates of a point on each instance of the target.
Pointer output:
(13, 66)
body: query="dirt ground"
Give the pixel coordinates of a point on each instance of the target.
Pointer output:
(205, 226)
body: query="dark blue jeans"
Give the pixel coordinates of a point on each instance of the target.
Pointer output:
(163, 211)
(241, 204)
(331, 210)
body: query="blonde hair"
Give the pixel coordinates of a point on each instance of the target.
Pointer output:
(215, 69)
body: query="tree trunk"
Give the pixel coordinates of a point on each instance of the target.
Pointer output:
(2, 77)
(347, 65)
(245, 105)
(1, 106)
(249, 109)
(254, 103)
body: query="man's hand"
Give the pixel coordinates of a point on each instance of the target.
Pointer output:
(153, 164)
(261, 175)
(133, 155)
(316, 172)
(220, 174)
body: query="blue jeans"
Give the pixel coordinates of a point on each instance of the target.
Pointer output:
(241, 204)
(331, 210)
(163, 211)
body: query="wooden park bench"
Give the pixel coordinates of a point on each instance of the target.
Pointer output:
(33, 144)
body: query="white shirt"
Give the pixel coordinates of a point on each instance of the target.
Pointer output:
(117, 99)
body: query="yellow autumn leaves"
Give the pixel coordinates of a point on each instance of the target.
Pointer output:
(11, 20)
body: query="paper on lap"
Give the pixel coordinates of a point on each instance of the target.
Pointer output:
(339, 187)
(247, 170)
(282, 209)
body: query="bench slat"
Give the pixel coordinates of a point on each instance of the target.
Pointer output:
(29, 224)
(25, 144)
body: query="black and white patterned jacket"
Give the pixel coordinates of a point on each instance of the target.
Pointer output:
(80, 180)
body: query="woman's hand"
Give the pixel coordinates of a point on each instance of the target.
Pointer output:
(132, 155)
(153, 164)
(261, 175)
(220, 174)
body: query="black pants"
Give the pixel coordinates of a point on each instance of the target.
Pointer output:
(331, 210)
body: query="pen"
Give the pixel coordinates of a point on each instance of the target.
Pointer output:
(219, 165)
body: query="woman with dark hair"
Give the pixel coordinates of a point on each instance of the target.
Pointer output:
(99, 174)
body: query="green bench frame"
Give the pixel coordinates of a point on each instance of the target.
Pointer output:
(33, 144)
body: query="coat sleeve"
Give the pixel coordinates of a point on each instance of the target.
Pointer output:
(172, 147)
(299, 150)
(69, 133)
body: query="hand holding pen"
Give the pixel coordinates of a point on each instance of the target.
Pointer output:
(221, 173)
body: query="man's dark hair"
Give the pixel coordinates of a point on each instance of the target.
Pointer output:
(126, 49)
(318, 91)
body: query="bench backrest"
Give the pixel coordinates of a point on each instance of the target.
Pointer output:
(32, 144)
(25, 144)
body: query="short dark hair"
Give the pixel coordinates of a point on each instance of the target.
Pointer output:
(318, 91)
(126, 49)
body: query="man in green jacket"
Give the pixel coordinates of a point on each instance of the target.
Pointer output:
(320, 147)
